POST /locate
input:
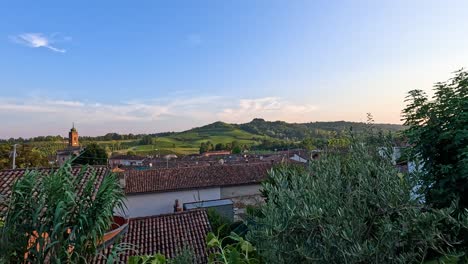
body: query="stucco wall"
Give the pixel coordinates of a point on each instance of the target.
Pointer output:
(241, 190)
(163, 203)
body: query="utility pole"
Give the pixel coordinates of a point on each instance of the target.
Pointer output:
(13, 166)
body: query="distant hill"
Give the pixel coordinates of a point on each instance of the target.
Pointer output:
(253, 133)
(297, 131)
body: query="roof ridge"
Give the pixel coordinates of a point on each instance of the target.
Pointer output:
(194, 211)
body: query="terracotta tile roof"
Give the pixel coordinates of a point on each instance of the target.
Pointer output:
(9, 177)
(126, 157)
(165, 234)
(194, 177)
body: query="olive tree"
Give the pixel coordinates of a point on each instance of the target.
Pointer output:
(351, 206)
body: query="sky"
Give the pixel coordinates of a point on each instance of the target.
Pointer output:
(154, 66)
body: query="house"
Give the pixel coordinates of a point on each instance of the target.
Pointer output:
(297, 158)
(73, 148)
(9, 177)
(154, 192)
(126, 160)
(165, 234)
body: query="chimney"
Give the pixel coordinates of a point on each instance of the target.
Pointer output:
(177, 207)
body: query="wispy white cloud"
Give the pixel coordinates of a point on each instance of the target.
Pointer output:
(38, 40)
(48, 116)
(271, 108)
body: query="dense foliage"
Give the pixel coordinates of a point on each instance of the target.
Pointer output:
(26, 157)
(58, 218)
(184, 256)
(349, 207)
(93, 154)
(219, 224)
(235, 147)
(438, 134)
(300, 131)
(240, 251)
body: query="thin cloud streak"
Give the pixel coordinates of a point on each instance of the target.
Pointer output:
(170, 115)
(36, 40)
(271, 108)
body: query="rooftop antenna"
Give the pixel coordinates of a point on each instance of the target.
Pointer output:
(73, 124)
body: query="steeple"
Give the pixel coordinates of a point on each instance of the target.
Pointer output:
(73, 137)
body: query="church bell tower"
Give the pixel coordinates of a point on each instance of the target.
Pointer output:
(73, 137)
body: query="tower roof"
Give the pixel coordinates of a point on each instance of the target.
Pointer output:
(73, 129)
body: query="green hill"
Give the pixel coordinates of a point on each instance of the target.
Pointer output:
(188, 142)
(252, 133)
(298, 131)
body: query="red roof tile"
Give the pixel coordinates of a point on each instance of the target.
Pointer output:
(194, 177)
(165, 234)
(9, 177)
(127, 157)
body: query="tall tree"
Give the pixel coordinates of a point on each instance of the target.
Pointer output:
(220, 146)
(146, 140)
(438, 134)
(93, 154)
(26, 157)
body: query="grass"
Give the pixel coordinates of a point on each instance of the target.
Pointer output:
(183, 143)
(188, 142)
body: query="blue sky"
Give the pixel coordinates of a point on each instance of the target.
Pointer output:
(151, 66)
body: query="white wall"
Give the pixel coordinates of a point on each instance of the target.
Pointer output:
(116, 162)
(241, 190)
(298, 158)
(163, 203)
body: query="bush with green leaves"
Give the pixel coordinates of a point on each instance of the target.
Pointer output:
(239, 251)
(349, 207)
(219, 223)
(59, 217)
(184, 256)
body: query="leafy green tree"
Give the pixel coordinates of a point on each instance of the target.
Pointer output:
(93, 154)
(308, 143)
(438, 134)
(131, 153)
(27, 156)
(348, 207)
(5, 161)
(59, 217)
(206, 146)
(236, 148)
(146, 140)
(220, 146)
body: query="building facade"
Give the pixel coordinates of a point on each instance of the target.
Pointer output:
(154, 192)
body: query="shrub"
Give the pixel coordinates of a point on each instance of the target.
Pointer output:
(184, 256)
(219, 223)
(348, 207)
(240, 251)
(58, 217)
